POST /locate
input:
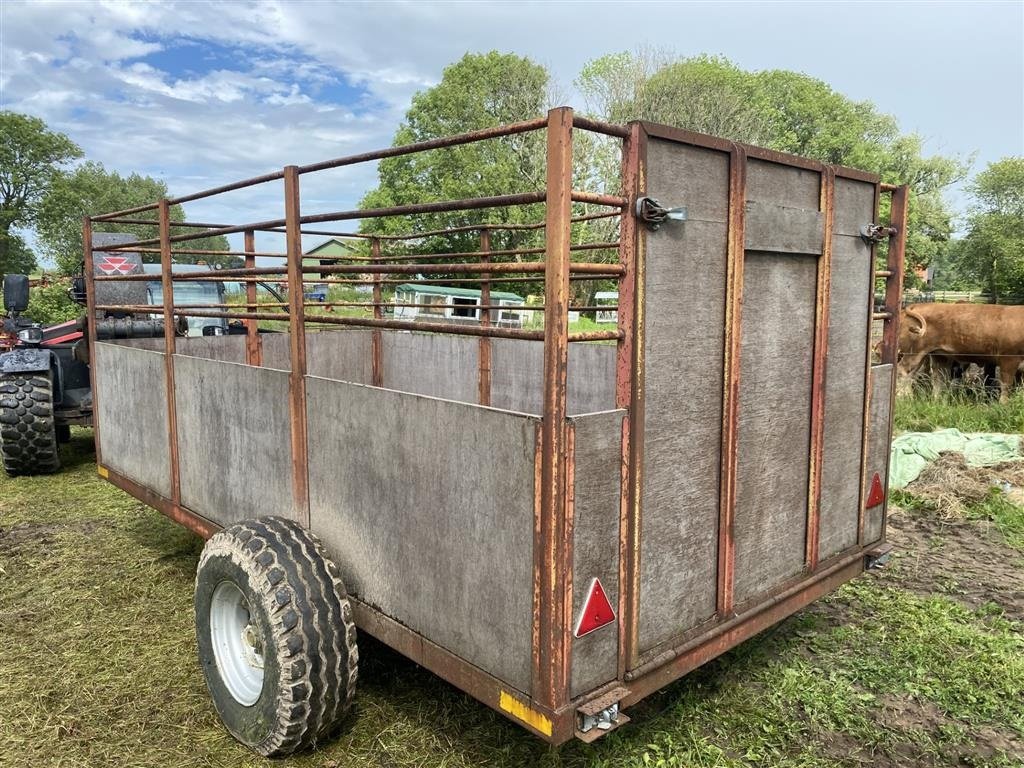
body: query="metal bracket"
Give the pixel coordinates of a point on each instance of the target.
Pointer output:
(878, 556)
(600, 715)
(876, 233)
(654, 214)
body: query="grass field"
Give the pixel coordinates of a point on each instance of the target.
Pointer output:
(918, 664)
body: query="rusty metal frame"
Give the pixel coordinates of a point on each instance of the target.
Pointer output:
(629, 378)
(735, 255)
(297, 339)
(253, 340)
(167, 291)
(821, 326)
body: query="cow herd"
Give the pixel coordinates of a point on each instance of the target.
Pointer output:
(944, 339)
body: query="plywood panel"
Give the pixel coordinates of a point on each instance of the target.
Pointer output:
(234, 440)
(345, 355)
(427, 507)
(845, 374)
(432, 364)
(783, 184)
(131, 392)
(776, 351)
(879, 417)
(683, 348)
(517, 370)
(784, 229)
(598, 449)
(277, 351)
(229, 349)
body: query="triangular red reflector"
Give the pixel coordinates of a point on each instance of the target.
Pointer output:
(597, 610)
(877, 494)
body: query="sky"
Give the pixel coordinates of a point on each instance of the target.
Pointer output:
(203, 93)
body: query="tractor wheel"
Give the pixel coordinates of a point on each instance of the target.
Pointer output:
(277, 642)
(28, 438)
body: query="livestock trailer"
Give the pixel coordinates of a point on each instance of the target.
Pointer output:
(558, 523)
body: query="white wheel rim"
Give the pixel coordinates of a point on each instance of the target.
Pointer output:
(237, 646)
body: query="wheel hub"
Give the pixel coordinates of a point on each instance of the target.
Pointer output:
(237, 646)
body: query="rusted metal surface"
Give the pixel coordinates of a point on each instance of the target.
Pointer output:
(90, 330)
(599, 126)
(609, 246)
(376, 366)
(485, 320)
(519, 267)
(551, 682)
(628, 395)
(821, 318)
(253, 341)
(179, 514)
(167, 290)
(297, 331)
(730, 403)
(894, 279)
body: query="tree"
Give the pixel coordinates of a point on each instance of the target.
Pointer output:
(31, 157)
(993, 250)
(90, 189)
(479, 91)
(786, 111)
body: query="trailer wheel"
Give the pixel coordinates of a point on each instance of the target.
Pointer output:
(28, 438)
(276, 638)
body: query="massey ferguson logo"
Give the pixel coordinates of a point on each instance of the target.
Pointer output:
(115, 265)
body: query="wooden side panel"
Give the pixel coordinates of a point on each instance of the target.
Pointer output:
(342, 355)
(228, 349)
(845, 369)
(786, 185)
(879, 419)
(517, 370)
(431, 364)
(595, 553)
(234, 443)
(683, 347)
(776, 352)
(132, 398)
(427, 506)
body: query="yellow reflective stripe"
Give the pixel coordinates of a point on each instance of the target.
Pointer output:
(520, 711)
(102, 471)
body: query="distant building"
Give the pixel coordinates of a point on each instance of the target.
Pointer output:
(441, 303)
(331, 252)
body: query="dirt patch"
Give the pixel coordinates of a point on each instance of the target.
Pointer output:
(964, 560)
(34, 535)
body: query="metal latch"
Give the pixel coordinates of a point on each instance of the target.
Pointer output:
(876, 233)
(653, 214)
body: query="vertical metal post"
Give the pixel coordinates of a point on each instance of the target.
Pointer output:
(376, 335)
(297, 332)
(893, 304)
(167, 290)
(90, 329)
(894, 283)
(553, 531)
(485, 320)
(735, 254)
(629, 395)
(821, 317)
(253, 340)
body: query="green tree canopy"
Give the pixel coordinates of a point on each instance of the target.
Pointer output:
(479, 91)
(781, 110)
(90, 189)
(992, 253)
(31, 157)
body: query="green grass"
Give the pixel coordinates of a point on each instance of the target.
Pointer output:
(964, 411)
(98, 668)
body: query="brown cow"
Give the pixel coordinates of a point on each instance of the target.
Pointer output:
(980, 333)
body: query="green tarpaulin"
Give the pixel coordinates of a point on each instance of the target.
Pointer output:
(912, 451)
